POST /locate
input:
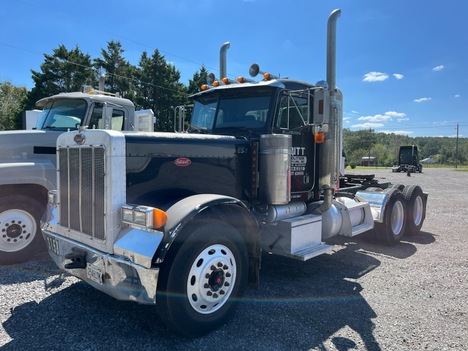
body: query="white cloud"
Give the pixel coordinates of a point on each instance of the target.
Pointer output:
(375, 77)
(368, 125)
(438, 68)
(378, 120)
(399, 132)
(389, 115)
(456, 96)
(375, 118)
(395, 114)
(398, 76)
(423, 99)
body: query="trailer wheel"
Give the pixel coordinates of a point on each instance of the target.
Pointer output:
(200, 282)
(391, 230)
(414, 209)
(20, 233)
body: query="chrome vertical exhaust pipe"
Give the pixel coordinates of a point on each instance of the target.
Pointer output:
(331, 49)
(330, 150)
(222, 59)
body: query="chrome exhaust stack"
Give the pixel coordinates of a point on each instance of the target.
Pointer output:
(330, 150)
(331, 49)
(222, 60)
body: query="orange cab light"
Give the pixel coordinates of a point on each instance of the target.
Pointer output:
(240, 79)
(266, 76)
(225, 80)
(159, 218)
(204, 87)
(216, 83)
(319, 138)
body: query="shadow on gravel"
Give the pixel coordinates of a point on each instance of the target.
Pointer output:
(299, 306)
(402, 250)
(422, 237)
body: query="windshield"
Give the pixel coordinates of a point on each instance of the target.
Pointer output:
(408, 155)
(63, 114)
(230, 113)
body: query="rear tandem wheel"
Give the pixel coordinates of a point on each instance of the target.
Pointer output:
(392, 228)
(415, 209)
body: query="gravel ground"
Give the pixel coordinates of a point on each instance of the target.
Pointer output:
(361, 296)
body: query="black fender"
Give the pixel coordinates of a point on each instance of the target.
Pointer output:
(228, 209)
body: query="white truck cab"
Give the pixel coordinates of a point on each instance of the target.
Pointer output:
(28, 161)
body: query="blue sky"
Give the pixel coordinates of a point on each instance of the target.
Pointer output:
(401, 64)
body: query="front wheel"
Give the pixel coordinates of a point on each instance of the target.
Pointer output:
(391, 230)
(20, 234)
(200, 281)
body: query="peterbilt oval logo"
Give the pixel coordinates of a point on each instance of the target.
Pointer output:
(79, 138)
(182, 162)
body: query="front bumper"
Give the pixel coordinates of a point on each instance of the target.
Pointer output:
(113, 275)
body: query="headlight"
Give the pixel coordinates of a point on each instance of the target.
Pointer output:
(52, 197)
(143, 216)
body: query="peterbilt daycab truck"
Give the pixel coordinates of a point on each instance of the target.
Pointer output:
(180, 220)
(28, 161)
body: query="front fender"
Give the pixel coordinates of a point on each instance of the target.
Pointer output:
(185, 210)
(39, 172)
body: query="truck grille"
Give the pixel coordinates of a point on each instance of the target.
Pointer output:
(81, 176)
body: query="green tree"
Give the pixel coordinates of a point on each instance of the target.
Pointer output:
(12, 105)
(358, 144)
(159, 89)
(199, 78)
(119, 72)
(63, 71)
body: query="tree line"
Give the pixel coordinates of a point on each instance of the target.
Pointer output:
(384, 147)
(155, 84)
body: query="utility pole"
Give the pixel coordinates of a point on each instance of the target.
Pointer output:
(456, 149)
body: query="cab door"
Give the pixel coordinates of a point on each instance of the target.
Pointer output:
(293, 118)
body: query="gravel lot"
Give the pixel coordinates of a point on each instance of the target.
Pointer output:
(362, 296)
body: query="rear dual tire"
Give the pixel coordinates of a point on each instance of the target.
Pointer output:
(415, 209)
(392, 228)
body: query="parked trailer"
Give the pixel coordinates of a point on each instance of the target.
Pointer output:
(180, 219)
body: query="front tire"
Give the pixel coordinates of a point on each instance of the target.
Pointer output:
(20, 233)
(201, 279)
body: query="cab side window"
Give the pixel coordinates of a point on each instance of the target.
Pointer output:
(116, 123)
(117, 120)
(292, 113)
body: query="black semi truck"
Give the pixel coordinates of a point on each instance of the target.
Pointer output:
(180, 220)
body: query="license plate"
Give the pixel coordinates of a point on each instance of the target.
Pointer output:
(52, 245)
(94, 273)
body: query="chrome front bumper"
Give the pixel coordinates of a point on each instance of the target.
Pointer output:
(113, 275)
